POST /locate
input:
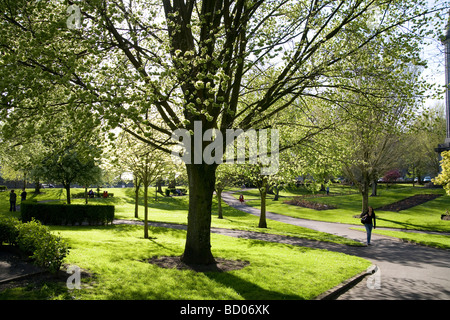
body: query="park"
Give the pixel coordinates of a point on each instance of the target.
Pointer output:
(114, 256)
(297, 119)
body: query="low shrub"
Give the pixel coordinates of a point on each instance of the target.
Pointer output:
(35, 240)
(8, 230)
(62, 214)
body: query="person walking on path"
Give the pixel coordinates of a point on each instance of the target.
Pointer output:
(241, 198)
(12, 201)
(368, 218)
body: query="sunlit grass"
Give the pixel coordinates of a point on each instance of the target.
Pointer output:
(431, 240)
(116, 256)
(425, 217)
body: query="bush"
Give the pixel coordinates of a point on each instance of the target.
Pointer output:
(62, 214)
(8, 230)
(35, 240)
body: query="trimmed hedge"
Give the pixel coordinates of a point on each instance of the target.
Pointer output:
(63, 214)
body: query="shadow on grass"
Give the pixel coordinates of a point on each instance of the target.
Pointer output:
(406, 225)
(162, 202)
(247, 289)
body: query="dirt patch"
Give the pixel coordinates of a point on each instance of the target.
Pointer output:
(37, 281)
(298, 201)
(221, 265)
(409, 202)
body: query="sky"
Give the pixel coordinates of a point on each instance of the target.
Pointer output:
(435, 73)
(434, 54)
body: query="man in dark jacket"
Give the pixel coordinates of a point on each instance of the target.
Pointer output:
(12, 201)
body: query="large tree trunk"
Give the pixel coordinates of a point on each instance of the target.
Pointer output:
(198, 240)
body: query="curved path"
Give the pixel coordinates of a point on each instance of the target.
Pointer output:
(405, 271)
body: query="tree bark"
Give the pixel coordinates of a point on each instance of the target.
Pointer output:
(219, 202)
(158, 184)
(365, 185)
(263, 194)
(276, 192)
(145, 210)
(145, 181)
(201, 179)
(137, 185)
(37, 186)
(67, 187)
(374, 188)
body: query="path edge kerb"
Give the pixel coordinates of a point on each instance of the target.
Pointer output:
(341, 288)
(26, 275)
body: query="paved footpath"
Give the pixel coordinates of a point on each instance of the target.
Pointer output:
(404, 271)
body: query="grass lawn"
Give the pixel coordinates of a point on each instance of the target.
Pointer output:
(431, 240)
(425, 217)
(116, 256)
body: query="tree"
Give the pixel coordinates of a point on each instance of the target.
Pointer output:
(370, 140)
(68, 167)
(225, 177)
(425, 133)
(443, 178)
(147, 165)
(196, 64)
